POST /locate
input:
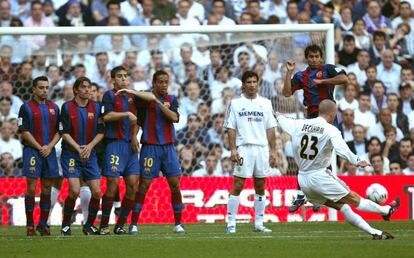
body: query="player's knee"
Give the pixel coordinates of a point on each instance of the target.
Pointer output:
(74, 193)
(96, 194)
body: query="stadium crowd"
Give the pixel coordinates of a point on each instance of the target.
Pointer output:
(374, 44)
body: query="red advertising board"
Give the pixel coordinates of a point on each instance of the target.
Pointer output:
(206, 198)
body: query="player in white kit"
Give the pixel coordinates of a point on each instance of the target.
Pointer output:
(313, 141)
(251, 129)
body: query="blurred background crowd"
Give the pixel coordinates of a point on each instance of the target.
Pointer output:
(374, 43)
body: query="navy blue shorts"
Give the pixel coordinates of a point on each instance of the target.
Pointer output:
(119, 160)
(156, 158)
(73, 167)
(35, 166)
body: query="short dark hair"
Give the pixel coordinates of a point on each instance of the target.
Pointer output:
(7, 98)
(220, 1)
(38, 79)
(79, 82)
(349, 38)
(379, 33)
(248, 74)
(34, 3)
(329, 5)
(158, 74)
(113, 2)
(116, 70)
(313, 48)
(376, 155)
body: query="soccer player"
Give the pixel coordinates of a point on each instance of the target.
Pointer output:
(38, 121)
(318, 82)
(121, 158)
(313, 141)
(158, 152)
(81, 129)
(251, 129)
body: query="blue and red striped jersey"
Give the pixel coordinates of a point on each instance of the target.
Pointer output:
(314, 95)
(121, 129)
(82, 123)
(156, 129)
(41, 120)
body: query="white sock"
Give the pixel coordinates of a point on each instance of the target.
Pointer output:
(357, 220)
(53, 197)
(117, 205)
(85, 197)
(232, 208)
(370, 206)
(259, 208)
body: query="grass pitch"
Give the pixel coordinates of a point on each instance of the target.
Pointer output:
(318, 239)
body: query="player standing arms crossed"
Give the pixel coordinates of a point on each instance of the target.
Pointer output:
(158, 152)
(38, 121)
(313, 141)
(318, 82)
(251, 129)
(121, 158)
(81, 128)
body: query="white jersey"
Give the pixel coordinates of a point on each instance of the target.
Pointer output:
(313, 141)
(250, 118)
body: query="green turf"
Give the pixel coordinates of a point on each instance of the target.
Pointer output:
(322, 239)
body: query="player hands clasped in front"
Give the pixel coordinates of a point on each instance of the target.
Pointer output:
(38, 121)
(313, 141)
(81, 129)
(318, 82)
(158, 152)
(121, 158)
(251, 129)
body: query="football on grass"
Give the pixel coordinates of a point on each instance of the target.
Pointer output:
(377, 193)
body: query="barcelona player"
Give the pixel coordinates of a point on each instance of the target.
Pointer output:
(318, 82)
(121, 158)
(38, 121)
(81, 129)
(158, 152)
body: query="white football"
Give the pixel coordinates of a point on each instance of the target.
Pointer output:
(377, 193)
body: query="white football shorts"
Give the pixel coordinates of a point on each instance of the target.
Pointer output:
(322, 185)
(255, 161)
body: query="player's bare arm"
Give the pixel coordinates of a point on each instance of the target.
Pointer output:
(147, 96)
(28, 137)
(169, 114)
(337, 80)
(235, 157)
(271, 138)
(45, 150)
(115, 116)
(134, 140)
(69, 140)
(287, 87)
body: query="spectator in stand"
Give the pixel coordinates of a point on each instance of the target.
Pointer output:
(374, 20)
(190, 103)
(203, 111)
(275, 8)
(227, 167)
(99, 10)
(131, 9)
(100, 69)
(395, 168)
(253, 7)
(56, 81)
(210, 71)
(371, 72)
(38, 19)
(144, 19)
(14, 123)
(183, 9)
(359, 144)
(22, 86)
(406, 99)
(292, 13)
(378, 97)
(223, 80)
(346, 23)
(349, 101)
(7, 166)
(220, 105)
(139, 83)
(8, 143)
(193, 74)
(362, 37)
(194, 135)
(389, 72)
(20, 8)
(187, 160)
(347, 124)
(405, 12)
(39, 64)
(398, 118)
(67, 68)
(21, 44)
(49, 11)
(273, 69)
(385, 120)
(404, 149)
(377, 163)
(390, 146)
(363, 114)
(266, 88)
(103, 42)
(66, 95)
(6, 90)
(196, 11)
(313, 7)
(327, 16)
(359, 67)
(75, 13)
(409, 170)
(210, 169)
(218, 11)
(114, 11)
(348, 55)
(216, 131)
(5, 109)
(7, 69)
(407, 75)
(5, 13)
(399, 44)
(374, 147)
(164, 10)
(378, 46)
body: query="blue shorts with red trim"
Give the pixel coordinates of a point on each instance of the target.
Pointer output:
(156, 158)
(119, 159)
(35, 166)
(73, 167)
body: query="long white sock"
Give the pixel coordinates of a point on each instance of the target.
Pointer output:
(232, 208)
(357, 221)
(259, 208)
(53, 197)
(85, 197)
(370, 206)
